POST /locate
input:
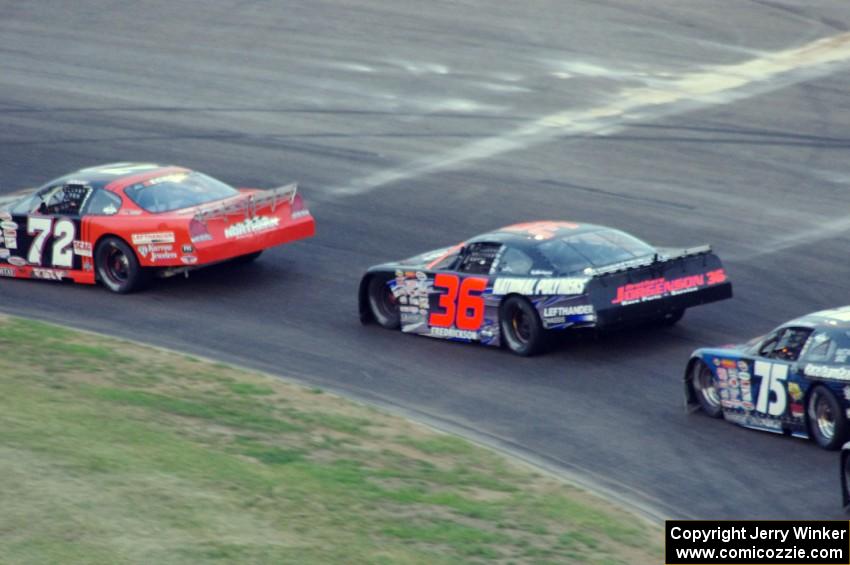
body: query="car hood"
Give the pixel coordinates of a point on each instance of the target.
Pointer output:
(6, 200)
(731, 350)
(422, 260)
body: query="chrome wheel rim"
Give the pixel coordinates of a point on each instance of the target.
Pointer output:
(821, 414)
(385, 302)
(521, 325)
(117, 265)
(705, 385)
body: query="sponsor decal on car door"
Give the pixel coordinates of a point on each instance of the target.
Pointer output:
(456, 306)
(49, 244)
(756, 393)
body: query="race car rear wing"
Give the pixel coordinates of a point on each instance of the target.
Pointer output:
(669, 255)
(674, 281)
(687, 252)
(249, 203)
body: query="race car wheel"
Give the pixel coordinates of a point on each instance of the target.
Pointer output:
(825, 418)
(522, 331)
(671, 318)
(117, 266)
(845, 477)
(383, 303)
(706, 392)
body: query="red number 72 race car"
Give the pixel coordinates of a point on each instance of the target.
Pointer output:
(124, 222)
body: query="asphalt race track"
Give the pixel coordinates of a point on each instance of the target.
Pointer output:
(412, 125)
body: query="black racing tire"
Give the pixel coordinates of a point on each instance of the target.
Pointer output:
(382, 303)
(248, 258)
(670, 319)
(845, 477)
(522, 331)
(705, 390)
(118, 267)
(825, 419)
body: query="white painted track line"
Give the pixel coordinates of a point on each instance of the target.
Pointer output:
(714, 85)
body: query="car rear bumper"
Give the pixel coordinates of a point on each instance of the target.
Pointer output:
(612, 316)
(229, 248)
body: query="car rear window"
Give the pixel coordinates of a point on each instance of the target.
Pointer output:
(601, 248)
(820, 348)
(841, 352)
(176, 191)
(514, 262)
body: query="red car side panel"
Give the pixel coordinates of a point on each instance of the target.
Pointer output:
(162, 240)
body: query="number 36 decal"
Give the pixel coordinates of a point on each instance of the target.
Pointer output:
(63, 232)
(460, 301)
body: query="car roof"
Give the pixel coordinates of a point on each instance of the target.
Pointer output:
(532, 233)
(834, 318)
(115, 176)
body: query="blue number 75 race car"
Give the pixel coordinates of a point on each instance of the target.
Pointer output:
(514, 285)
(795, 380)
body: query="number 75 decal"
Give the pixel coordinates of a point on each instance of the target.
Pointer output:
(773, 377)
(63, 232)
(461, 302)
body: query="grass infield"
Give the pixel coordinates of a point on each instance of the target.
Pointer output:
(113, 452)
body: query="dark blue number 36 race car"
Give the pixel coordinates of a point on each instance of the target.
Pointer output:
(515, 285)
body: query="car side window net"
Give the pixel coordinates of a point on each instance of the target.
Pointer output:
(791, 343)
(65, 200)
(479, 258)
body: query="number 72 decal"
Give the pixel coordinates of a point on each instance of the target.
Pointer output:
(63, 232)
(461, 302)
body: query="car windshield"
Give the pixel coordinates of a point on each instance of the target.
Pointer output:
(595, 249)
(176, 191)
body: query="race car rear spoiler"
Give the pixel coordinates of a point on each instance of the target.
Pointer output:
(669, 283)
(249, 203)
(669, 255)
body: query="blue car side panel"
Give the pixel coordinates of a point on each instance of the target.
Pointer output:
(419, 297)
(765, 394)
(464, 306)
(562, 312)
